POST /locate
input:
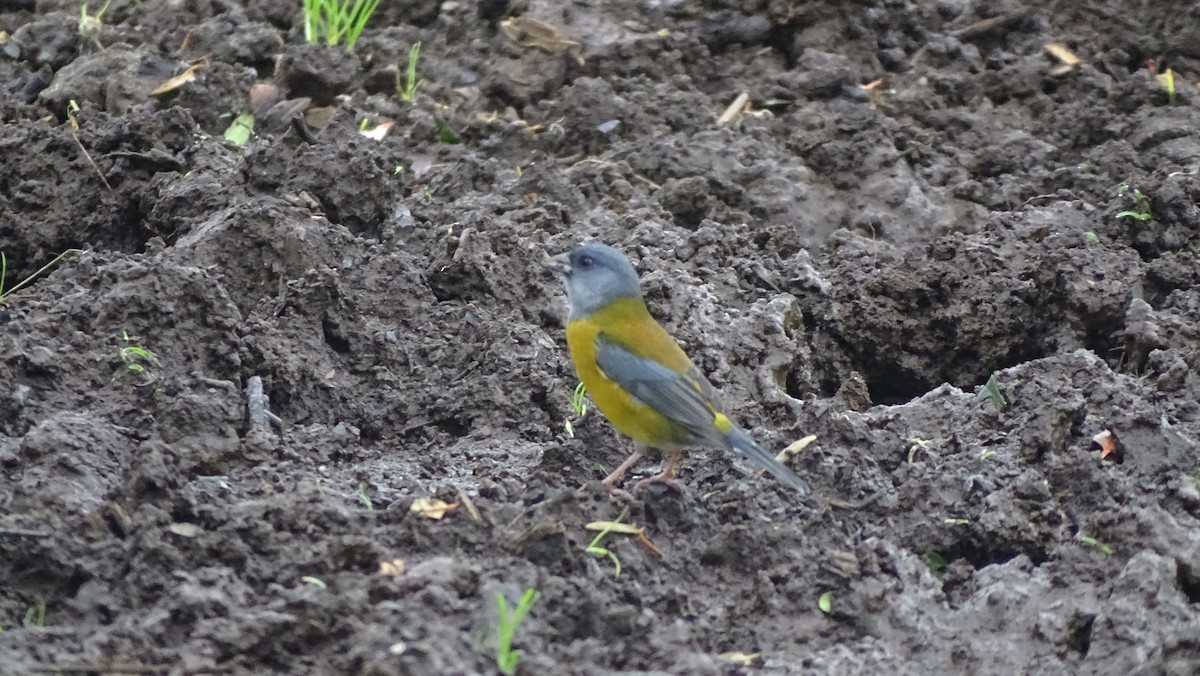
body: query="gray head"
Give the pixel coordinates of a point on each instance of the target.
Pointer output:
(595, 275)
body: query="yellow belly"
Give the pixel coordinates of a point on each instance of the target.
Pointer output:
(631, 417)
(627, 414)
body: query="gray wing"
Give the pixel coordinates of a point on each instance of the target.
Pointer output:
(685, 399)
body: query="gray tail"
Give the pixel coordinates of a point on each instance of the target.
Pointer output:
(746, 446)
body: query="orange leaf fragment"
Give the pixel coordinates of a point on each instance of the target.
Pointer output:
(1109, 445)
(432, 508)
(178, 81)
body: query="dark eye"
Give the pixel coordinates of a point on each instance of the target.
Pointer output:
(585, 261)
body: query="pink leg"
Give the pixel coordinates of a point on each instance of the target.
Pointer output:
(620, 471)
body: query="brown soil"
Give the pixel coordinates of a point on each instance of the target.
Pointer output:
(847, 262)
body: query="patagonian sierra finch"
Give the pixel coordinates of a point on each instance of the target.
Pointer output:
(637, 374)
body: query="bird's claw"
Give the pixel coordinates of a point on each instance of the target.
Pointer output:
(659, 480)
(621, 494)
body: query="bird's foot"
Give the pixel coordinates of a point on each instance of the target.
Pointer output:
(621, 494)
(658, 480)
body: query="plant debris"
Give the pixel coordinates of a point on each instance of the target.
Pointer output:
(394, 568)
(1109, 445)
(1067, 60)
(432, 508)
(178, 81)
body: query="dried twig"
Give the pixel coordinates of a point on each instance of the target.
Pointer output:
(73, 108)
(470, 505)
(23, 533)
(8, 292)
(734, 108)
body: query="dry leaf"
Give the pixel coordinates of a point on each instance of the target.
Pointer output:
(1062, 53)
(1066, 58)
(394, 568)
(795, 447)
(432, 508)
(378, 132)
(1109, 445)
(178, 81)
(187, 530)
(615, 527)
(744, 659)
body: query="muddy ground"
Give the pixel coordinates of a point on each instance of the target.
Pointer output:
(917, 198)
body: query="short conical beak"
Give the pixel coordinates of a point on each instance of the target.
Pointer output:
(560, 264)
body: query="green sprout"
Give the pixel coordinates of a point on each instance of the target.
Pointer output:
(363, 498)
(1141, 203)
(595, 549)
(314, 581)
(239, 130)
(825, 603)
(90, 25)
(991, 392)
(935, 561)
(408, 88)
(579, 400)
(135, 357)
(446, 133)
(35, 616)
(956, 522)
(579, 405)
(1108, 551)
(987, 454)
(506, 657)
(1167, 78)
(1091, 237)
(336, 20)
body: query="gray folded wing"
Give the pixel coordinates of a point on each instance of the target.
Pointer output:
(683, 398)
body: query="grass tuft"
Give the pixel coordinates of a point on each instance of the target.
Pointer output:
(506, 656)
(407, 88)
(336, 21)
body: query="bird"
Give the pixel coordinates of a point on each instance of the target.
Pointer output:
(638, 375)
